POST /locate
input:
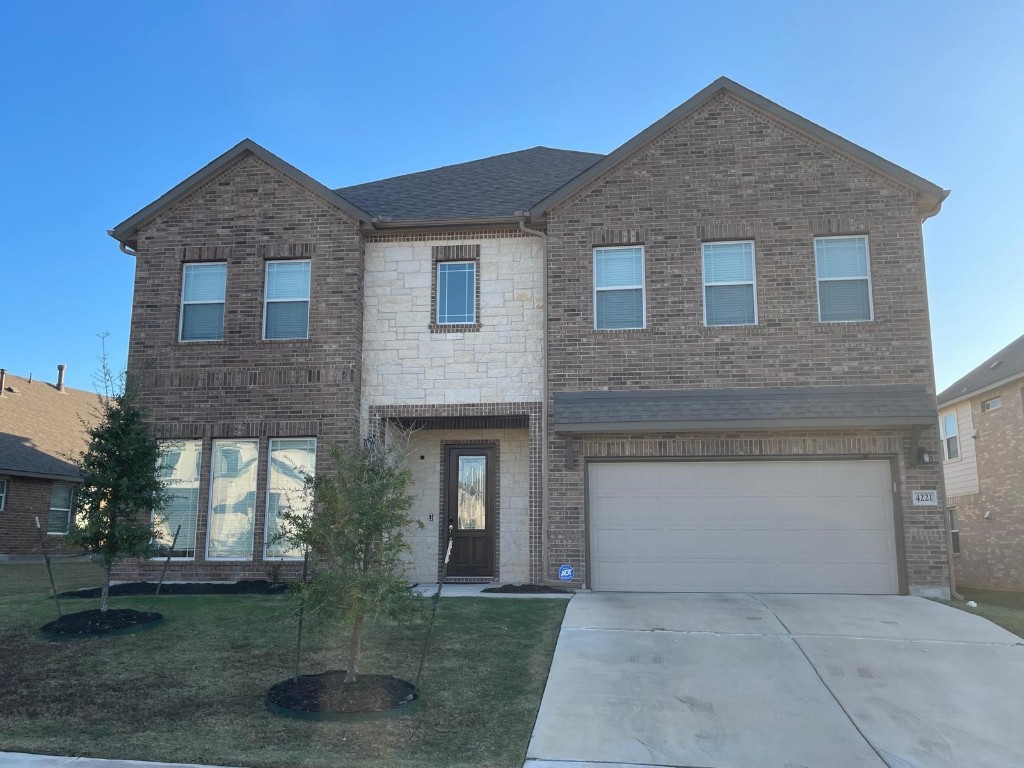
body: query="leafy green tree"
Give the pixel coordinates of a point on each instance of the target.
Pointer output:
(121, 484)
(355, 540)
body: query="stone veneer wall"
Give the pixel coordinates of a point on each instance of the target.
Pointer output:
(992, 550)
(425, 460)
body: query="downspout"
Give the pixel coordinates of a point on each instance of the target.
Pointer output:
(124, 248)
(544, 397)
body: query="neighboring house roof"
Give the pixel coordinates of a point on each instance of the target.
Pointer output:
(41, 428)
(931, 195)
(1003, 366)
(743, 408)
(127, 231)
(501, 186)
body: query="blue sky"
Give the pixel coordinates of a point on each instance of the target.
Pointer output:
(105, 106)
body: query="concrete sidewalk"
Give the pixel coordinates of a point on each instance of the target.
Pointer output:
(24, 760)
(778, 681)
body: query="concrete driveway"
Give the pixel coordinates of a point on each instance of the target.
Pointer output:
(779, 681)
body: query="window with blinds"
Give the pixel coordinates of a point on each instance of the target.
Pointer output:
(286, 305)
(62, 497)
(292, 461)
(844, 279)
(232, 500)
(202, 302)
(180, 464)
(730, 291)
(619, 293)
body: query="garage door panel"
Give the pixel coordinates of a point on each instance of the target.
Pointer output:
(774, 526)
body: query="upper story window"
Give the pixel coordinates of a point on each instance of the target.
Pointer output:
(991, 404)
(3, 494)
(619, 293)
(456, 292)
(950, 436)
(730, 292)
(202, 302)
(844, 279)
(286, 304)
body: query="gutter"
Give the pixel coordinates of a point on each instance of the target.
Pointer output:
(979, 391)
(544, 397)
(124, 248)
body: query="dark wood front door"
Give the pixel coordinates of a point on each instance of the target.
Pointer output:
(469, 497)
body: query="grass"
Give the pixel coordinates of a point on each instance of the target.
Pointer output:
(192, 690)
(1003, 608)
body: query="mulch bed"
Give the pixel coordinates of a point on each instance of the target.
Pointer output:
(527, 589)
(323, 695)
(96, 622)
(147, 588)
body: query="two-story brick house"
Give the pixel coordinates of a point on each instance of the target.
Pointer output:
(981, 423)
(701, 362)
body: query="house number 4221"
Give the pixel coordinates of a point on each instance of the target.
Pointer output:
(925, 498)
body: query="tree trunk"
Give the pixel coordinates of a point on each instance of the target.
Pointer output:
(105, 594)
(355, 650)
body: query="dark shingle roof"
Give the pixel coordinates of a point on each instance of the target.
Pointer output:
(492, 187)
(1004, 364)
(792, 407)
(41, 427)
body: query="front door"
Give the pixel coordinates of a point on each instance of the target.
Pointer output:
(469, 489)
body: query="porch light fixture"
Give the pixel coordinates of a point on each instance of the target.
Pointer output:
(924, 456)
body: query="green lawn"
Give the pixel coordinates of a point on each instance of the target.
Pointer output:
(1003, 608)
(193, 689)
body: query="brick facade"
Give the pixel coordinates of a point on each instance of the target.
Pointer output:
(244, 386)
(26, 499)
(990, 555)
(728, 171)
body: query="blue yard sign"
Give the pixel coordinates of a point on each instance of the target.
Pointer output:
(566, 572)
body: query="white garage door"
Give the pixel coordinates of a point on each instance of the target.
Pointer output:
(742, 526)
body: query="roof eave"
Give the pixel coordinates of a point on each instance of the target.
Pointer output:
(931, 194)
(978, 390)
(377, 225)
(126, 232)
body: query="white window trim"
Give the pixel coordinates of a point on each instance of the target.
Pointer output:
(182, 303)
(51, 508)
(437, 283)
(152, 515)
(308, 299)
(944, 437)
(3, 495)
(751, 282)
(995, 399)
(266, 505)
(642, 286)
(209, 503)
(867, 263)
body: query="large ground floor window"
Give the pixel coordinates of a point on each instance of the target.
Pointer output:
(232, 511)
(292, 461)
(180, 464)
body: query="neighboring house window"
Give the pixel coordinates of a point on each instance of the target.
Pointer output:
(730, 293)
(950, 436)
(3, 494)
(62, 496)
(844, 279)
(456, 292)
(292, 461)
(202, 302)
(232, 499)
(286, 305)
(991, 405)
(180, 463)
(619, 293)
(954, 530)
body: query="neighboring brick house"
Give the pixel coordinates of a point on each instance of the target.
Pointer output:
(701, 362)
(41, 428)
(981, 423)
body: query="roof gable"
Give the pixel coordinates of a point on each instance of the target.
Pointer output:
(127, 231)
(930, 195)
(1003, 366)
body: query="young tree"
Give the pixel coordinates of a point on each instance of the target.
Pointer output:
(121, 485)
(355, 540)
